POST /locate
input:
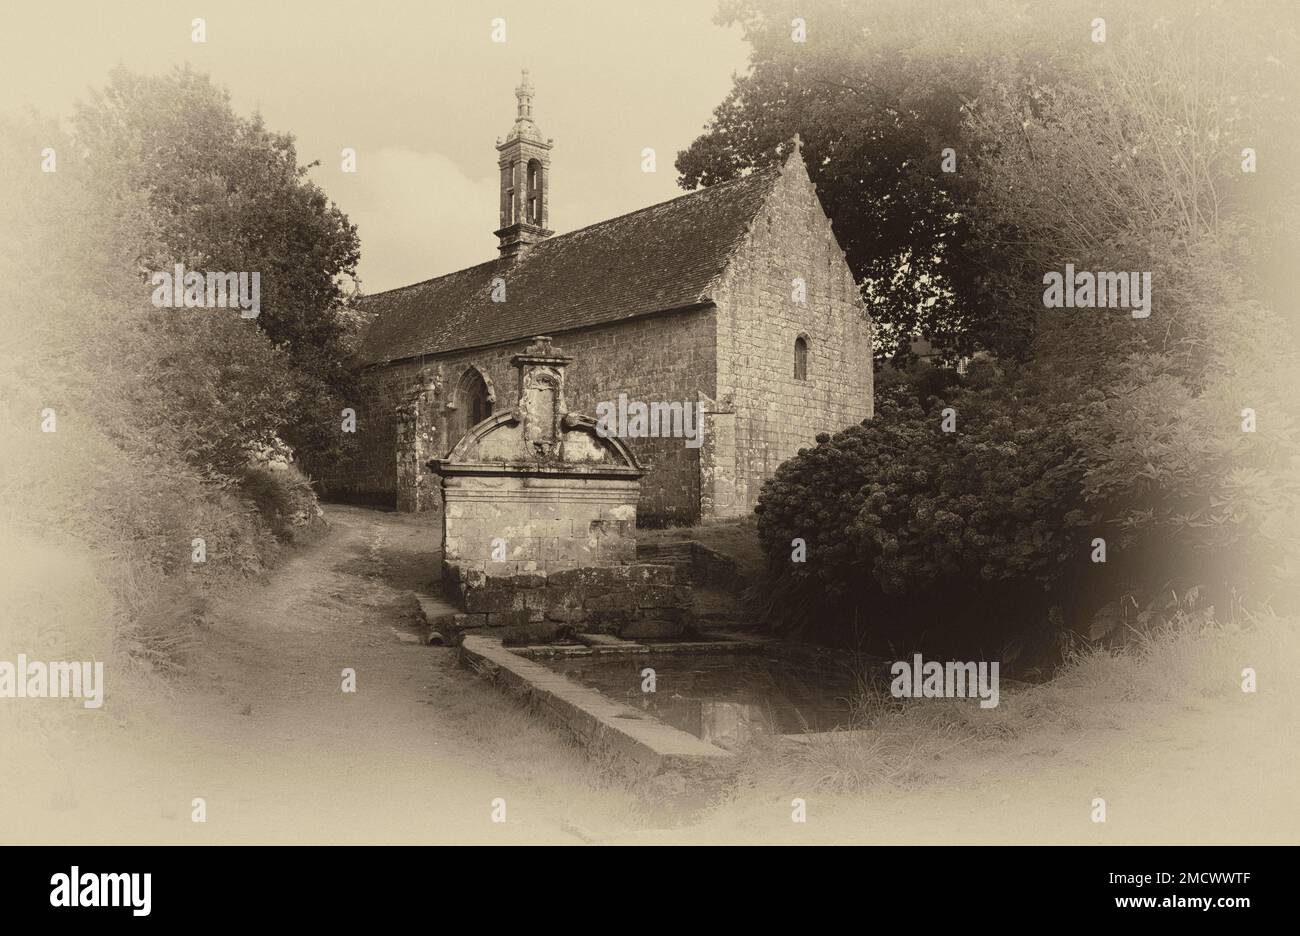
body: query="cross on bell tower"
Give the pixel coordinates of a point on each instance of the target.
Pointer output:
(525, 163)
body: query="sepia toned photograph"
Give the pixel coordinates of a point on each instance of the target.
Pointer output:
(706, 422)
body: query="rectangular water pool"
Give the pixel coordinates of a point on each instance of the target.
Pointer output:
(725, 699)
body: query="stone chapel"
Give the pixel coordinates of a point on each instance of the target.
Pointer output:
(736, 296)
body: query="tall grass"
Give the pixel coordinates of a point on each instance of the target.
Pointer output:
(98, 516)
(1181, 664)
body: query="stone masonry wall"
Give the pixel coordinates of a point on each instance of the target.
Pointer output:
(663, 358)
(633, 601)
(740, 356)
(765, 415)
(537, 524)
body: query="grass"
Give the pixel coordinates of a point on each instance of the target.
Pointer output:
(735, 538)
(1185, 667)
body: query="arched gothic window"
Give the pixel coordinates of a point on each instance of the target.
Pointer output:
(473, 404)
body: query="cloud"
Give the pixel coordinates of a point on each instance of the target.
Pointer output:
(418, 215)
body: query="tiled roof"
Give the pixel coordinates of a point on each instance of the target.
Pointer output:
(667, 256)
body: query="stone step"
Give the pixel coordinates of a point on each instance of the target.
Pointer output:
(439, 619)
(683, 550)
(604, 640)
(678, 555)
(696, 564)
(715, 605)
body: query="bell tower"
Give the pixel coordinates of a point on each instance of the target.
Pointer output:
(525, 162)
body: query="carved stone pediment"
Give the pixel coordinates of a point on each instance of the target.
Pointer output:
(540, 434)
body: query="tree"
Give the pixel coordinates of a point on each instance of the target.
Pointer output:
(1137, 165)
(1177, 430)
(879, 94)
(152, 416)
(226, 194)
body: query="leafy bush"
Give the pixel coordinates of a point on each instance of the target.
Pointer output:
(910, 528)
(966, 538)
(1132, 430)
(285, 500)
(158, 414)
(1190, 498)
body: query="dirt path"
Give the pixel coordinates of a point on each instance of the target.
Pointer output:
(264, 733)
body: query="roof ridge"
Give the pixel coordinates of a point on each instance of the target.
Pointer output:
(660, 257)
(774, 169)
(769, 170)
(431, 279)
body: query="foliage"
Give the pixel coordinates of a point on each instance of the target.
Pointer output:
(1136, 165)
(1123, 156)
(158, 412)
(284, 498)
(877, 93)
(897, 513)
(224, 193)
(1064, 149)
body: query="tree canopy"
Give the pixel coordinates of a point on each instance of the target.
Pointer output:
(224, 193)
(888, 95)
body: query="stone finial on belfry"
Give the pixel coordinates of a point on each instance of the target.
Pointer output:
(524, 128)
(524, 94)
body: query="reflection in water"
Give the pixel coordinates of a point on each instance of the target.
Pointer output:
(731, 724)
(726, 699)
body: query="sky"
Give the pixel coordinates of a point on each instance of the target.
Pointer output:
(421, 92)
